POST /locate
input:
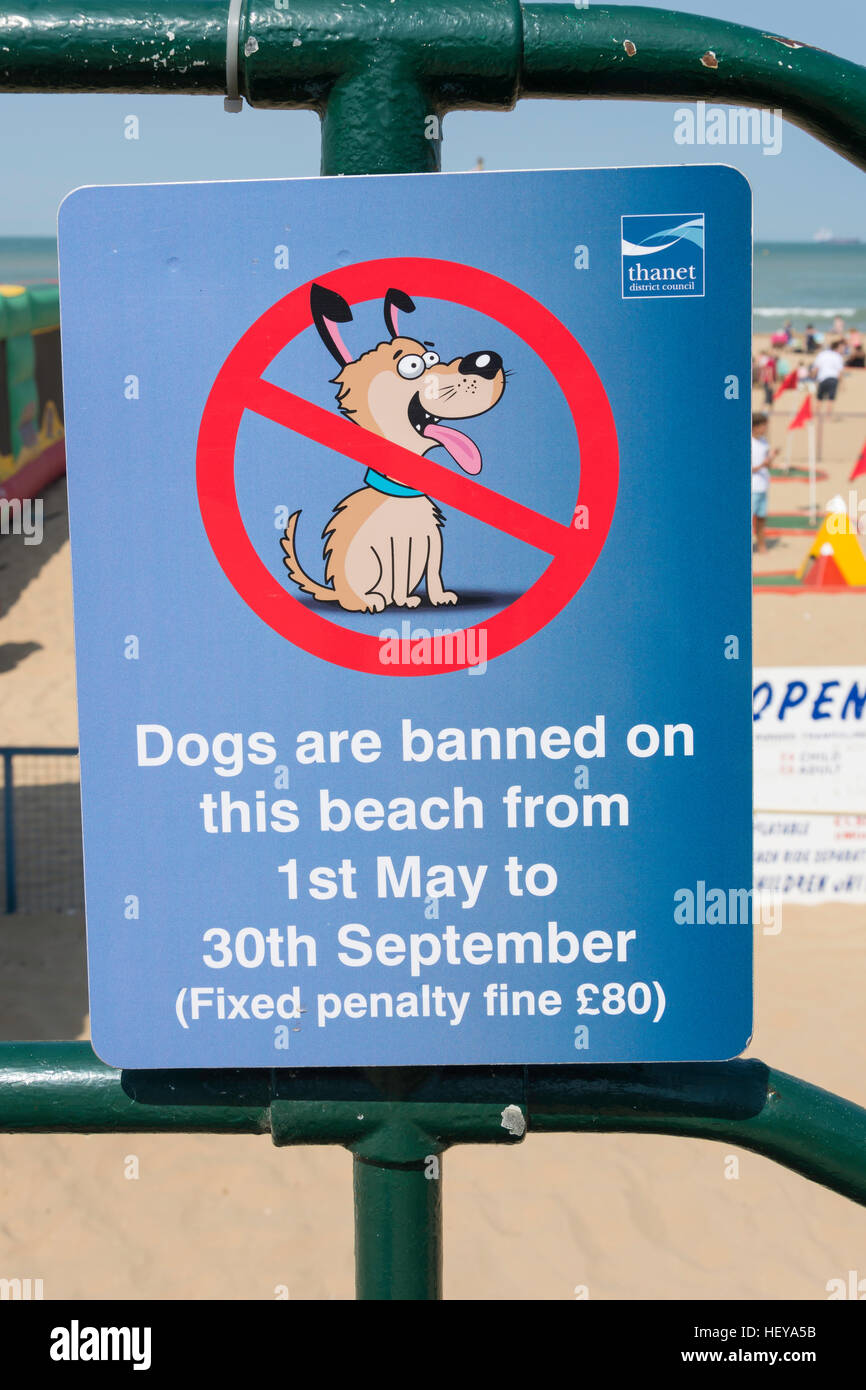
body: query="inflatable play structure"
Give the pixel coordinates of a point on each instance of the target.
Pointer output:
(834, 559)
(32, 446)
(833, 563)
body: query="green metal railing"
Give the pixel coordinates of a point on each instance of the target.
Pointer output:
(376, 72)
(397, 1123)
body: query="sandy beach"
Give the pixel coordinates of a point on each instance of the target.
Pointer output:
(630, 1217)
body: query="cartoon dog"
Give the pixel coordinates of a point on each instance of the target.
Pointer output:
(385, 538)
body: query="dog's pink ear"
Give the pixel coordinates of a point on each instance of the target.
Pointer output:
(394, 300)
(329, 309)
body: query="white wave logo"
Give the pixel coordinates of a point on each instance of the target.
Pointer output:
(692, 231)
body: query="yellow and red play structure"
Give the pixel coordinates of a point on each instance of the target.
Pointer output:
(32, 444)
(834, 559)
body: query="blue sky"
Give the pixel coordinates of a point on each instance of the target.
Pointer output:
(55, 143)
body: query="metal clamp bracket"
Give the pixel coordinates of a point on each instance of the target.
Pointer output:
(233, 99)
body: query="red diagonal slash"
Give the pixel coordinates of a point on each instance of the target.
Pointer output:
(339, 434)
(240, 386)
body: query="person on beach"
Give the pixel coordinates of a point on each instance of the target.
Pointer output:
(828, 369)
(856, 356)
(762, 457)
(767, 377)
(811, 340)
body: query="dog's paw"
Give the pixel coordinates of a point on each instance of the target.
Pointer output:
(447, 597)
(411, 602)
(375, 604)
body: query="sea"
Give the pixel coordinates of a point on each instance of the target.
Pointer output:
(806, 282)
(809, 282)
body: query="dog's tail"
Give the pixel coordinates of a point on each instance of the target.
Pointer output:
(290, 560)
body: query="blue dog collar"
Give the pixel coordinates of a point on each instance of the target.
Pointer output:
(382, 484)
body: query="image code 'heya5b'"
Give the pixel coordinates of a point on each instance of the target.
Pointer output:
(417, 731)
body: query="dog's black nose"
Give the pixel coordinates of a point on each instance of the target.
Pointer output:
(485, 364)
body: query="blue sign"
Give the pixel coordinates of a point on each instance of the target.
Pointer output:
(412, 584)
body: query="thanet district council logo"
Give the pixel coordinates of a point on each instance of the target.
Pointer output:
(663, 255)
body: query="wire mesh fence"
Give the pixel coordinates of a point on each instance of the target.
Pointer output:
(40, 831)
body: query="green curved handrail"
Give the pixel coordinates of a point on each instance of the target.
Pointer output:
(47, 1087)
(377, 71)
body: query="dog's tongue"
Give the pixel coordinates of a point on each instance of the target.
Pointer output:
(461, 449)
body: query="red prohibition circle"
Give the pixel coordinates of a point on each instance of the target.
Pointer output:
(239, 386)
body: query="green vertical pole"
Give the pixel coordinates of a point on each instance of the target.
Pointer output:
(378, 120)
(398, 1229)
(9, 830)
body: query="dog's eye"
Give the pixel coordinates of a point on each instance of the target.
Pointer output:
(430, 359)
(411, 366)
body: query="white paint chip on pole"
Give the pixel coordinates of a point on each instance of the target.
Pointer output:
(514, 1120)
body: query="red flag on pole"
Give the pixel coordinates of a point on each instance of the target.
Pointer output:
(803, 416)
(789, 384)
(859, 466)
